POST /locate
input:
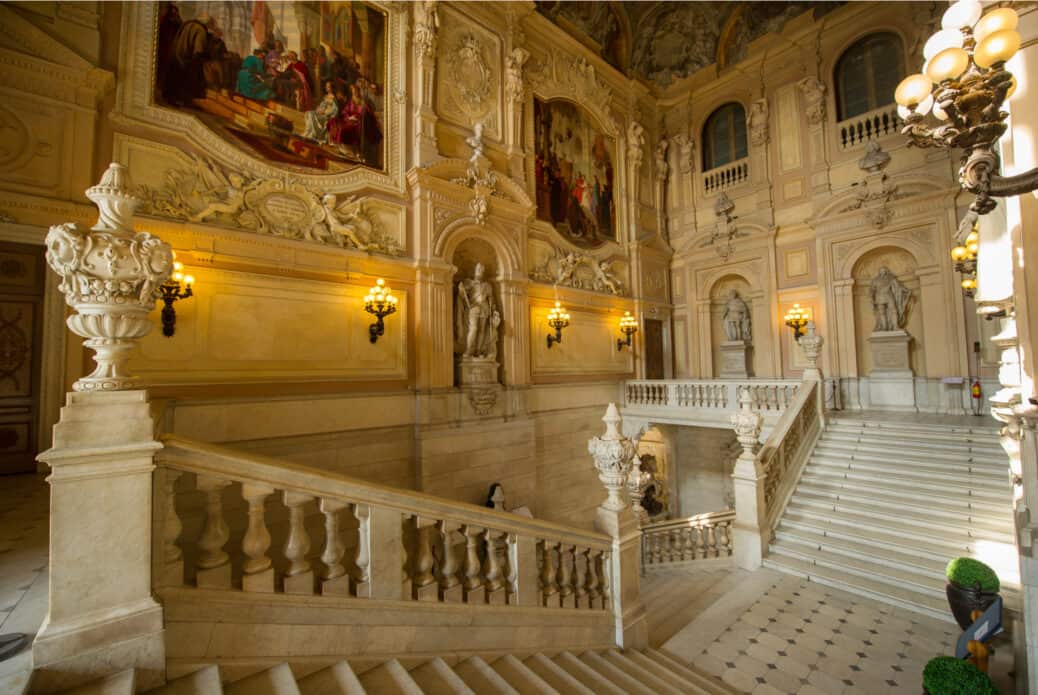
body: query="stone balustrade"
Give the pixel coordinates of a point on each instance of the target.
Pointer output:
(368, 541)
(706, 402)
(727, 176)
(786, 450)
(699, 537)
(855, 132)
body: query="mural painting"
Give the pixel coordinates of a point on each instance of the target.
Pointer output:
(574, 171)
(297, 83)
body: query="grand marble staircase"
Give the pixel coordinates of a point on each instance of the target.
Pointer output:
(609, 671)
(882, 505)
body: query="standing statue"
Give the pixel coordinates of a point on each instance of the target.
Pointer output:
(686, 153)
(635, 143)
(476, 318)
(758, 122)
(889, 300)
(514, 62)
(662, 169)
(736, 318)
(813, 90)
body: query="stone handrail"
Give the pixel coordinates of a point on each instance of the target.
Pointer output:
(706, 401)
(855, 132)
(702, 536)
(403, 545)
(726, 176)
(783, 456)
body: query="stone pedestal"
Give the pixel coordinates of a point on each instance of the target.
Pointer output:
(102, 617)
(477, 377)
(749, 478)
(891, 383)
(735, 359)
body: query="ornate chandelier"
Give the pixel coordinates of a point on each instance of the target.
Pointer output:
(965, 258)
(963, 85)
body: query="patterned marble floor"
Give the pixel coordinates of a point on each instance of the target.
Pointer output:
(778, 634)
(24, 514)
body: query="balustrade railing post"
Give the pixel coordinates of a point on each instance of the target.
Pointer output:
(749, 480)
(567, 594)
(527, 578)
(335, 581)
(493, 571)
(549, 587)
(299, 577)
(172, 567)
(257, 570)
(381, 537)
(447, 572)
(214, 566)
(474, 589)
(811, 344)
(424, 586)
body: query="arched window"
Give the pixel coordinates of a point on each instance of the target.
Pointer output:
(724, 136)
(867, 74)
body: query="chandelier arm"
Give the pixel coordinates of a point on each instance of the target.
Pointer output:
(1003, 186)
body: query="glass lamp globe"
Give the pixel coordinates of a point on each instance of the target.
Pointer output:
(913, 90)
(997, 20)
(945, 38)
(961, 15)
(948, 64)
(996, 48)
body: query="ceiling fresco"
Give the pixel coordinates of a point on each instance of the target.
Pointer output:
(660, 42)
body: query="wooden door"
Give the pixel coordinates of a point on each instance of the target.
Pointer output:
(653, 349)
(21, 312)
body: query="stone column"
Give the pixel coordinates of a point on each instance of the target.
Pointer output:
(613, 453)
(102, 617)
(811, 344)
(750, 512)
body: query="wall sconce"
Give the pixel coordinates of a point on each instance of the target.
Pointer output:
(172, 290)
(628, 326)
(965, 258)
(797, 318)
(381, 303)
(557, 319)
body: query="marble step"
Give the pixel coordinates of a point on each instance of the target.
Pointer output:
(940, 439)
(665, 674)
(205, 681)
(337, 679)
(521, 677)
(705, 683)
(923, 548)
(950, 495)
(909, 600)
(617, 675)
(478, 675)
(891, 557)
(899, 451)
(639, 673)
(435, 677)
(980, 430)
(390, 678)
(975, 523)
(277, 680)
(591, 680)
(122, 683)
(996, 476)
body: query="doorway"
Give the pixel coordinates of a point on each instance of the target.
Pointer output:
(653, 349)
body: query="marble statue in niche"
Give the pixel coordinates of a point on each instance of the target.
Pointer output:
(476, 318)
(889, 300)
(737, 318)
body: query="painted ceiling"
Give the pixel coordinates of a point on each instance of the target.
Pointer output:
(660, 42)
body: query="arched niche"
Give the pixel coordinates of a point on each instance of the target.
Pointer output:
(468, 253)
(904, 265)
(720, 293)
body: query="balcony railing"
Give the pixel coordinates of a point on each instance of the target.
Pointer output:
(700, 537)
(707, 402)
(855, 132)
(728, 176)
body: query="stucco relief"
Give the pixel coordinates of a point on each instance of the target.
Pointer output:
(559, 75)
(469, 76)
(574, 269)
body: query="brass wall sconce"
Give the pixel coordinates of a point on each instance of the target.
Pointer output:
(173, 290)
(557, 319)
(628, 326)
(379, 302)
(797, 318)
(965, 258)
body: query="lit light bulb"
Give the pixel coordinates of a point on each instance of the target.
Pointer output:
(947, 65)
(969, 284)
(996, 48)
(912, 90)
(939, 113)
(972, 238)
(961, 15)
(189, 279)
(178, 266)
(996, 20)
(958, 253)
(380, 282)
(178, 276)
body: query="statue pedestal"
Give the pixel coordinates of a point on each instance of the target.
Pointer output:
(735, 359)
(891, 382)
(477, 377)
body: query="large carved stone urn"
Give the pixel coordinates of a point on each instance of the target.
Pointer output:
(111, 276)
(612, 453)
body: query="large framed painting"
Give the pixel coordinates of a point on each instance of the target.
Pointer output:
(301, 84)
(574, 172)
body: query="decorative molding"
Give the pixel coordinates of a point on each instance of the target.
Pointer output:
(574, 78)
(562, 268)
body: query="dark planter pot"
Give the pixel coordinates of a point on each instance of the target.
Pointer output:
(964, 600)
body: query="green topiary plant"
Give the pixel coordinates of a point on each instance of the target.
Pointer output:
(946, 675)
(970, 573)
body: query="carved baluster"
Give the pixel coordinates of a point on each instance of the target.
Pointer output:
(214, 566)
(474, 590)
(580, 577)
(334, 579)
(726, 538)
(700, 544)
(423, 581)
(674, 545)
(549, 589)
(688, 548)
(711, 541)
(512, 571)
(299, 577)
(593, 591)
(360, 576)
(172, 555)
(605, 578)
(447, 572)
(257, 571)
(492, 572)
(657, 547)
(566, 593)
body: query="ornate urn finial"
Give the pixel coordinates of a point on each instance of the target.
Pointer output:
(612, 453)
(811, 343)
(111, 276)
(747, 424)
